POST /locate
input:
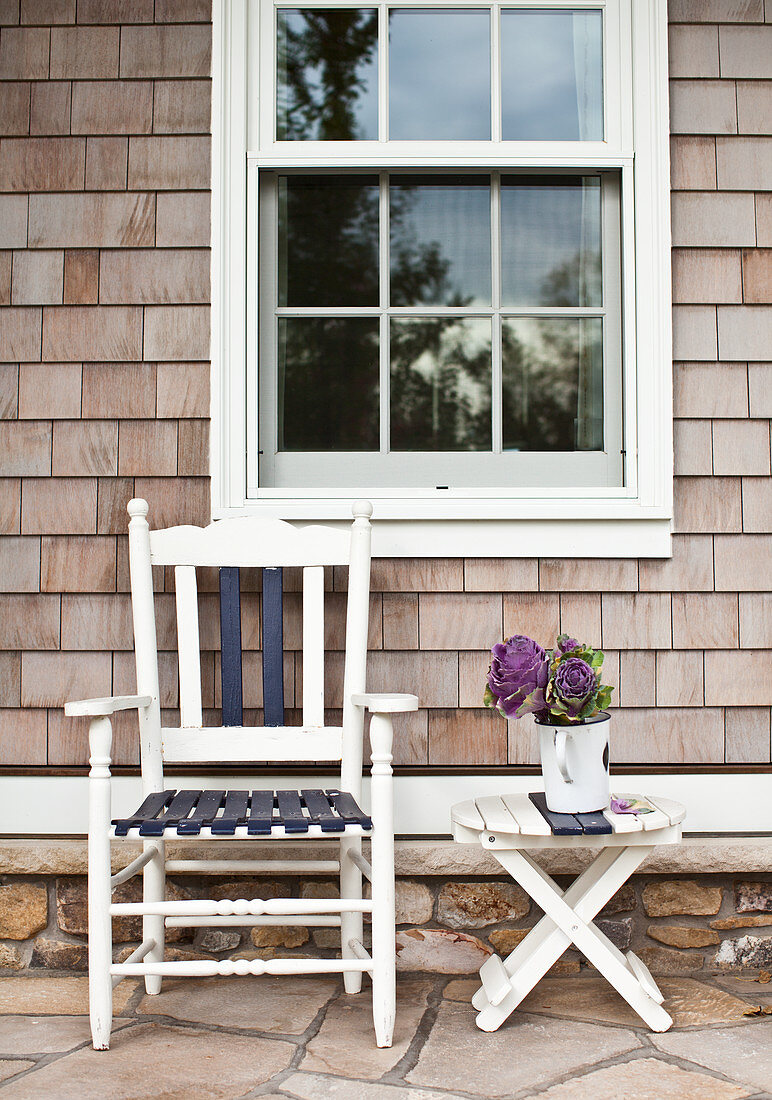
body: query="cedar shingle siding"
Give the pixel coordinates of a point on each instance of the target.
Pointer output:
(104, 394)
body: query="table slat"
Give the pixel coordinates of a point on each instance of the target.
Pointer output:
(561, 824)
(467, 814)
(593, 823)
(495, 814)
(528, 818)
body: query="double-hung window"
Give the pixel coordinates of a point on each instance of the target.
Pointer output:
(440, 267)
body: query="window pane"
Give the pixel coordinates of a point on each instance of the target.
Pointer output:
(550, 241)
(552, 75)
(439, 75)
(552, 384)
(440, 384)
(328, 240)
(327, 74)
(328, 384)
(440, 240)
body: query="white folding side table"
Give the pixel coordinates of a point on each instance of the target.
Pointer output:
(508, 826)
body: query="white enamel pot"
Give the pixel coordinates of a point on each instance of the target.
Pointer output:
(574, 763)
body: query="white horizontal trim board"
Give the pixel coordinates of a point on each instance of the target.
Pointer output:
(721, 802)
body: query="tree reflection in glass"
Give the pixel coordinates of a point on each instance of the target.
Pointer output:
(327, 74)
(552, 383)
(441, 384)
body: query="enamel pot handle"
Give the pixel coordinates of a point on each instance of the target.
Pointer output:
(561, 741)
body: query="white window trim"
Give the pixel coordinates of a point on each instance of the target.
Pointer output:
(630, 522)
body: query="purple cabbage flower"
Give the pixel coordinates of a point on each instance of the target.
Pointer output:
(566, 644)
(518, 676)
(575, 682)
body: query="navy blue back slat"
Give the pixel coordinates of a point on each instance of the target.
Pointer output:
(291, 812)
(151, 806)
(594, 823)
(346, 806)
(318, 806)
(260, 813)
(205, 812)
(561, 824)
(230, 646)
(273, 647)
(234, 813)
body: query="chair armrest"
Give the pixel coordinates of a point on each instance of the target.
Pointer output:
(96, 708)
(385, 703)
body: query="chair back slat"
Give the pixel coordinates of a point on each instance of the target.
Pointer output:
(240, 744)
(230, 647)
(273, 647)
(313, 646)
(188, 649)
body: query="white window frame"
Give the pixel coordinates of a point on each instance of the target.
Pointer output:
(633, 521)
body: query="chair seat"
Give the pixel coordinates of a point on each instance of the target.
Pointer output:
(241, 813)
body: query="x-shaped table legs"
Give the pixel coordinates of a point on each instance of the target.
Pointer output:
(568, 919)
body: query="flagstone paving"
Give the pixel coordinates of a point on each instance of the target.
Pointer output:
(305, 1039)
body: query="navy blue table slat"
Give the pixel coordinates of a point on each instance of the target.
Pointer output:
(260, 813)
(561, 824)
(205, 812)
(594, 824)
(273, 647)
(234, 813)
(348, 809)
(320, 812)
(178, 809)
(291, 814)
(230, 646)
(151, 806)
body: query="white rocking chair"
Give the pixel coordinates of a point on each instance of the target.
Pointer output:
(240, 815)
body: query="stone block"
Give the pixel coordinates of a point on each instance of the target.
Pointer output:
(49, 390)
(184, 220)
(23, 910)
(757, 504)
(106, 163)
(680, 896)
(25, 447)
(729, 923)
(85, 447)
(14, 120)
(661, 960)
(505, 940)
(183, 390)
(58, 955)
(620, 932)
(20, 334)
(753, 897)
(84, 53)
(77, 333)
(81, 276)
(217, 940)
(37, 278)
(182, 107)
(712, 220)
(746, 52)
(754, 106)
(10, 959)
(414, 901)
(119, 390)
(433, 950)
(154, 276)
(693, 51)
(747, 952)
(284, 935)
(622, 902)
(24, 53)
(742, 563)
(175, 332)
(72, 908)
(476, 904)
(166, 51)
(738, 678)
(170, 163)
(692, 163)
(50, 108)
(112, 107)
(466, 737)
(703, 107)
(682, 936)
(707, 504)
(468, 621)
(91, 221)
(707, 276)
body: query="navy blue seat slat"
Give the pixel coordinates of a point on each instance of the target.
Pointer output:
(594, 824)
(273, 647)
(234, 813)
(348, 809)
(190, 811)
(561, 824)
(320, 812)
(151, 806)
(204, 814)
(260, 813)
(230, 647)
(291, 814)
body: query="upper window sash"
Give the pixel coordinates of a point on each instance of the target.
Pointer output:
(617, 94)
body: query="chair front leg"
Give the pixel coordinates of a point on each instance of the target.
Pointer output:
(351, 924)
(100, 933)
(153, 927)
(382, 862)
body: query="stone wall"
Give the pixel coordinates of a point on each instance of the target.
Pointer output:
(675, 925)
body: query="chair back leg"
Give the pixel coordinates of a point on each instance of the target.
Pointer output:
(100, 932)
(351, 924)
(153, 926)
